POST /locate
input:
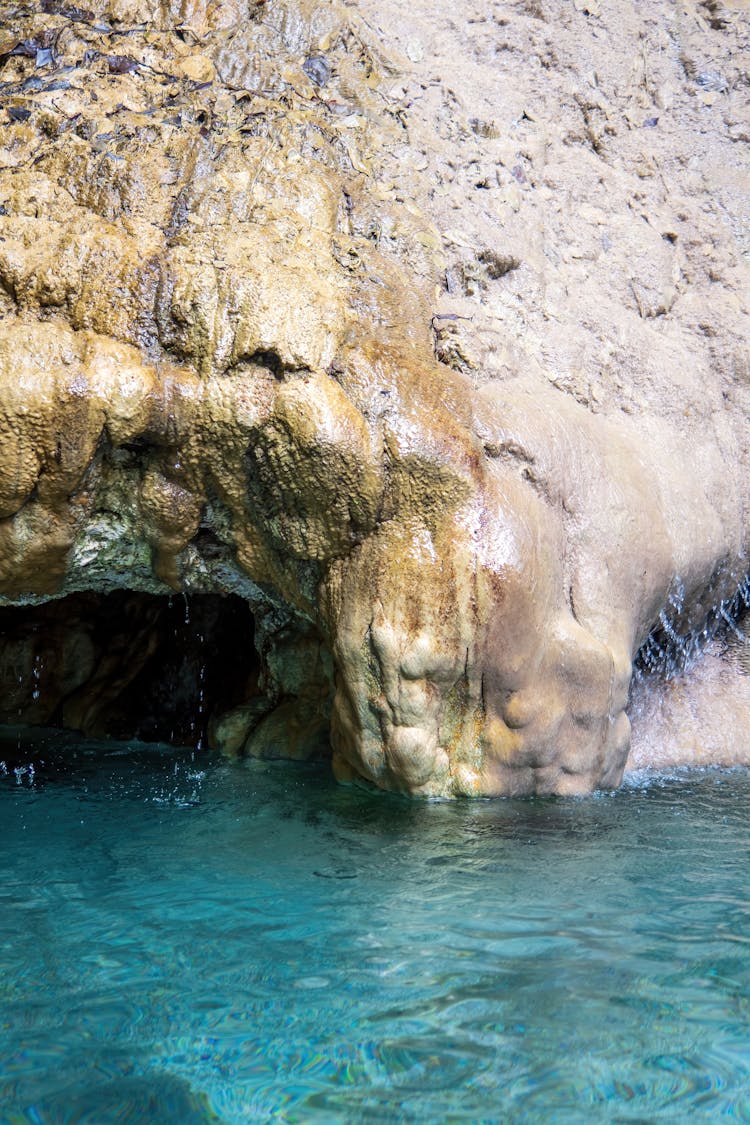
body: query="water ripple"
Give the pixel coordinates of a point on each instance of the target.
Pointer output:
(280, 949)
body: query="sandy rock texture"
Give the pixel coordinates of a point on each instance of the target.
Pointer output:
(424, 332)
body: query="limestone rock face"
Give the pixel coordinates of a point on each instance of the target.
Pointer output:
(242, 352)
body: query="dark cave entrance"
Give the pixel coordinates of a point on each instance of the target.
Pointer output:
(129, 666)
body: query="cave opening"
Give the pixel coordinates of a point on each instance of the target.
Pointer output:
(131, 666)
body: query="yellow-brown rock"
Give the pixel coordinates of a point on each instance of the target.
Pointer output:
(226, 368)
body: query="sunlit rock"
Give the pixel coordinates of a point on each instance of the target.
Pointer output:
(223, 372)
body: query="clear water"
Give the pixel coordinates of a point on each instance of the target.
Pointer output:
(254, 943)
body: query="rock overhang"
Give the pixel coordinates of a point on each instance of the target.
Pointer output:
(218, 376)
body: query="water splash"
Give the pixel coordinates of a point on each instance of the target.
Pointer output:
(24, 775)
(669, 652)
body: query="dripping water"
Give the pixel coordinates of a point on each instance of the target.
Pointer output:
(183, 660)
(669, 652)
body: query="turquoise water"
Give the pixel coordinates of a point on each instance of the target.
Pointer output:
(187, 941)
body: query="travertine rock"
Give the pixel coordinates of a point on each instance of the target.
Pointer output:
(237, 357)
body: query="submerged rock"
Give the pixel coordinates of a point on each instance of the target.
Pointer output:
(223, 321)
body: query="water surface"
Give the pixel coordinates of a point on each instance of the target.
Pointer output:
(187, 941)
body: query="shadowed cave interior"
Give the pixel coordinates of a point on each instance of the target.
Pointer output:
(203, 672)
(135, 666)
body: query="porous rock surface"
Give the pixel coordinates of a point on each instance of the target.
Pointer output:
(424, 332)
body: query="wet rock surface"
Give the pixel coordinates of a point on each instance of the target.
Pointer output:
(461, 447)
(127, 665)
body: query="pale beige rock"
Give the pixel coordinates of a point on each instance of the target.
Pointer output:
(415, 329)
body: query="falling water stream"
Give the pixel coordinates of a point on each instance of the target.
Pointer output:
(183, 940)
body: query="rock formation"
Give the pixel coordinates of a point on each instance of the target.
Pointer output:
(460, 475)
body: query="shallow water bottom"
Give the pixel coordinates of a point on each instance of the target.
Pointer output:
(183, 940)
